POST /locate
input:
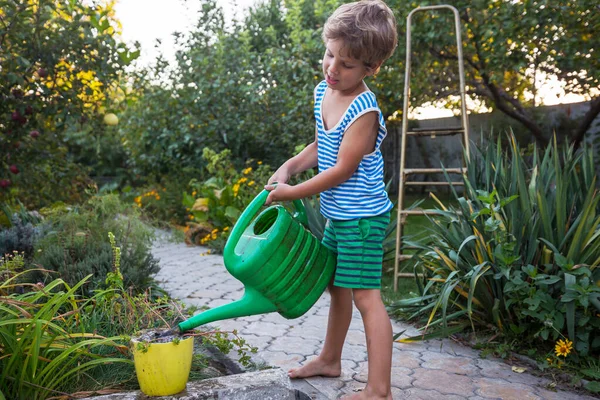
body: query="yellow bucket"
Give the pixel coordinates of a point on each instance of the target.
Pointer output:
(163, 369)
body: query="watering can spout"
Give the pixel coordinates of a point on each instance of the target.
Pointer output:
(251, 303)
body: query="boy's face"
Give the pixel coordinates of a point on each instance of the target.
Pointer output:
(342, 72)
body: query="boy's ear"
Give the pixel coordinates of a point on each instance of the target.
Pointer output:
(374, 69)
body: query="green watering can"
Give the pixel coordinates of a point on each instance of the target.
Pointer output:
(282, 265)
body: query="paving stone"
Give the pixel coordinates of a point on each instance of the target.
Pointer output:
(357, 323)
(330, 387)
(282, 360)
(200, 303)
(308, 331)
(206, 282)
(451, 347)
(356, 337)
(266, 329)
(277, 318)
(227, 287)
(354, 352)
(205, 294)
(493, 368)
(405, 358)
(401, 377)
(351, 387)
(229, 325)
(421, 394)
(349, 369)
(399, 394)
(260, 342)
(496, 388)
(317, 321)
(321, 311)
(214, 303)
(446, 362)
(411, 346)
(251, 318)
(232, 296)
(444, 382)
(291, 344)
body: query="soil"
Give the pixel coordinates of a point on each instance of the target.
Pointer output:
(163, 335)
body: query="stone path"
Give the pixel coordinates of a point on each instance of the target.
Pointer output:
(423, 370)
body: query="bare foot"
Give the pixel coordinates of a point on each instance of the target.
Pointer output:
(316, 367)
(365, 395)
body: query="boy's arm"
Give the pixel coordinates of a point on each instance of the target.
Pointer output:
(304, 160)
(358, 141)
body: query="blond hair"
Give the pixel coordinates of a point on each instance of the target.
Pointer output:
(368, 29)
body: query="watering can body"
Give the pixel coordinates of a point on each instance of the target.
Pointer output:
(283, 266)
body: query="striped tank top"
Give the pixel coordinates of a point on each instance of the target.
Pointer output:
(363, 195)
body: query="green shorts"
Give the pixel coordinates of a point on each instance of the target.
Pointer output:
(359, 247)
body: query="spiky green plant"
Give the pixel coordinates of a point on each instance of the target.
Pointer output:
(520, 251)
(43, 348)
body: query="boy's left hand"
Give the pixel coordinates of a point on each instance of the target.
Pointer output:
(279, 192)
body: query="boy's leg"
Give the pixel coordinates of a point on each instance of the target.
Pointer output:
(378, 330)
(329, 362)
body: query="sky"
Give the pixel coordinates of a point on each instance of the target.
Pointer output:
(147, 20)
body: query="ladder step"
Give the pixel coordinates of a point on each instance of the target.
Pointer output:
(433, 183)
(408, 275)
(418, 211)
(409, 171)
(435, 131)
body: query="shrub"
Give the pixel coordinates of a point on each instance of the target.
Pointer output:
(76, 244)
(519, 253)
(59, 65)
(21, 233)
(215, 205)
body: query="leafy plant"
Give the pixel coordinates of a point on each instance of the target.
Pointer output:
(44, 347)
(76, 246)
(520, 251)
(59, 67)
(216, 204)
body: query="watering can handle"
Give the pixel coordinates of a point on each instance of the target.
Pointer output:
(249, 214)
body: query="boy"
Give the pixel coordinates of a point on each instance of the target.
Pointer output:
(358, 37)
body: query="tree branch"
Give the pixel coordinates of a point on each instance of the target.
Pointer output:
(588, 119)
(503, 101)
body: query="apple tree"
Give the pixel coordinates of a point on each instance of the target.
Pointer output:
(59, 61)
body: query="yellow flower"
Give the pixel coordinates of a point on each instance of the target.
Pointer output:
(247, 171)
(191, 216)
(242, 180)
(251, 183)
(563, 347)
(194, 193)
(236, 189)
(157, 197)
(225, 229)
(259, 163)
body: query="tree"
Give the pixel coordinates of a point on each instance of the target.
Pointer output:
(59, 61)
(505, 44)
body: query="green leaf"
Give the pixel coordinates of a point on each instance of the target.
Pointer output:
(593, 386)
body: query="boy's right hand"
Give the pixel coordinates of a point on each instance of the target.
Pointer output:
(280, 176)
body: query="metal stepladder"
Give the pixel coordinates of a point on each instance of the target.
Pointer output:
(462, 130)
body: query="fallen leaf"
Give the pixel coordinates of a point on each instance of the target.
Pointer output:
(519, 370)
